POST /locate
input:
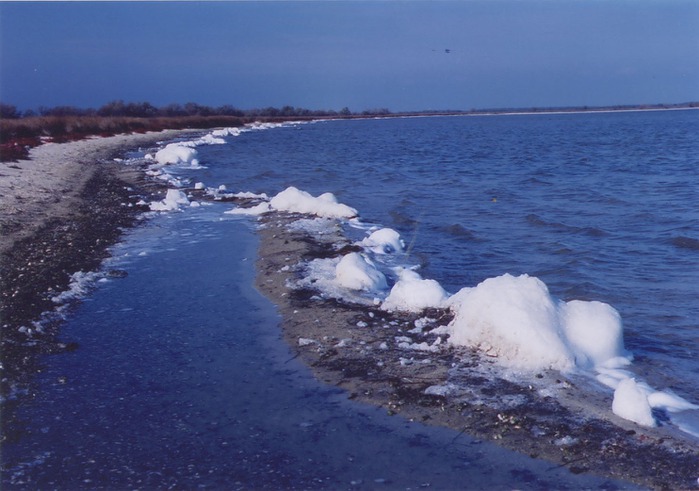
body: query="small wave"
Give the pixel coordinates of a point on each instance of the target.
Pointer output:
(402, 219)
(683, 242)
(459, 231)
(537, 221)
(536, 181)
(593, 232)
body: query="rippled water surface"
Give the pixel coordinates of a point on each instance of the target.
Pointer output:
(180, 378)
(599, 206)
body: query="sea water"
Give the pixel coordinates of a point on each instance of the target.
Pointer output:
(599, 206)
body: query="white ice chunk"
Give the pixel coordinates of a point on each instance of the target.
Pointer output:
(172, 201)
(523, 326)
(248, 194)
(357, 273)
(175, 153)
(631, 402)
(594, 331)
(384, 241)
(296, 201)
(412, 293)
(516, 318)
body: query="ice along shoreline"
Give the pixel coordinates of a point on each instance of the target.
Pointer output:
(350, 346)
(405, 395)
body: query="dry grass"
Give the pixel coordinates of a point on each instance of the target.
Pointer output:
(17, 136)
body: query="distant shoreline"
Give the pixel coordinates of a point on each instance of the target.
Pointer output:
(546, 111)
(19, 134)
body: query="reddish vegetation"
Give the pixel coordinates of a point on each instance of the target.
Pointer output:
(17, 136)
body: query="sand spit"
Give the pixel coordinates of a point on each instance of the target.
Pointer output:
(364, 351)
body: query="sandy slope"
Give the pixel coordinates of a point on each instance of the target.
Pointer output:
(49, 183)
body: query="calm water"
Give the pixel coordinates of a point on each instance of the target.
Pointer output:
(599, 206)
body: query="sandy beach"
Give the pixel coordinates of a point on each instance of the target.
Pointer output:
(62, 209)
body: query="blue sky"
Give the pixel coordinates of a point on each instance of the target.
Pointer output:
(360, 54)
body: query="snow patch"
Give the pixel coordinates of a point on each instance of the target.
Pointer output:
(384, 241)
(173, 199)
(326, 205)
(631, 402)
(412, 293)
(356, 272)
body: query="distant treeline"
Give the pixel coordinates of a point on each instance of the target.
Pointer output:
(21, 130)
(148, 110)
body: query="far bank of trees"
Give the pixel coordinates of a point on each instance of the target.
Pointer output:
(21, 130)
(121, 109)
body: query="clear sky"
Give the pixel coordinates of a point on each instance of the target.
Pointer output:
(359, 54)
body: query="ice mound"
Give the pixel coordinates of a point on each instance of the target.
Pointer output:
(631, 403)
(595, 332)
(172, 201)
(296, 201)
(175, 153)
(518, 321)
(412, 293)
(384, 241)
(357, 273)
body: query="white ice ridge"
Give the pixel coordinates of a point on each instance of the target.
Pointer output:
(173, 199)
(514, 319)
(518, 321)
(293, 200)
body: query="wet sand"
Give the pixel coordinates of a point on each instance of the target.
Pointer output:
(62, 210)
